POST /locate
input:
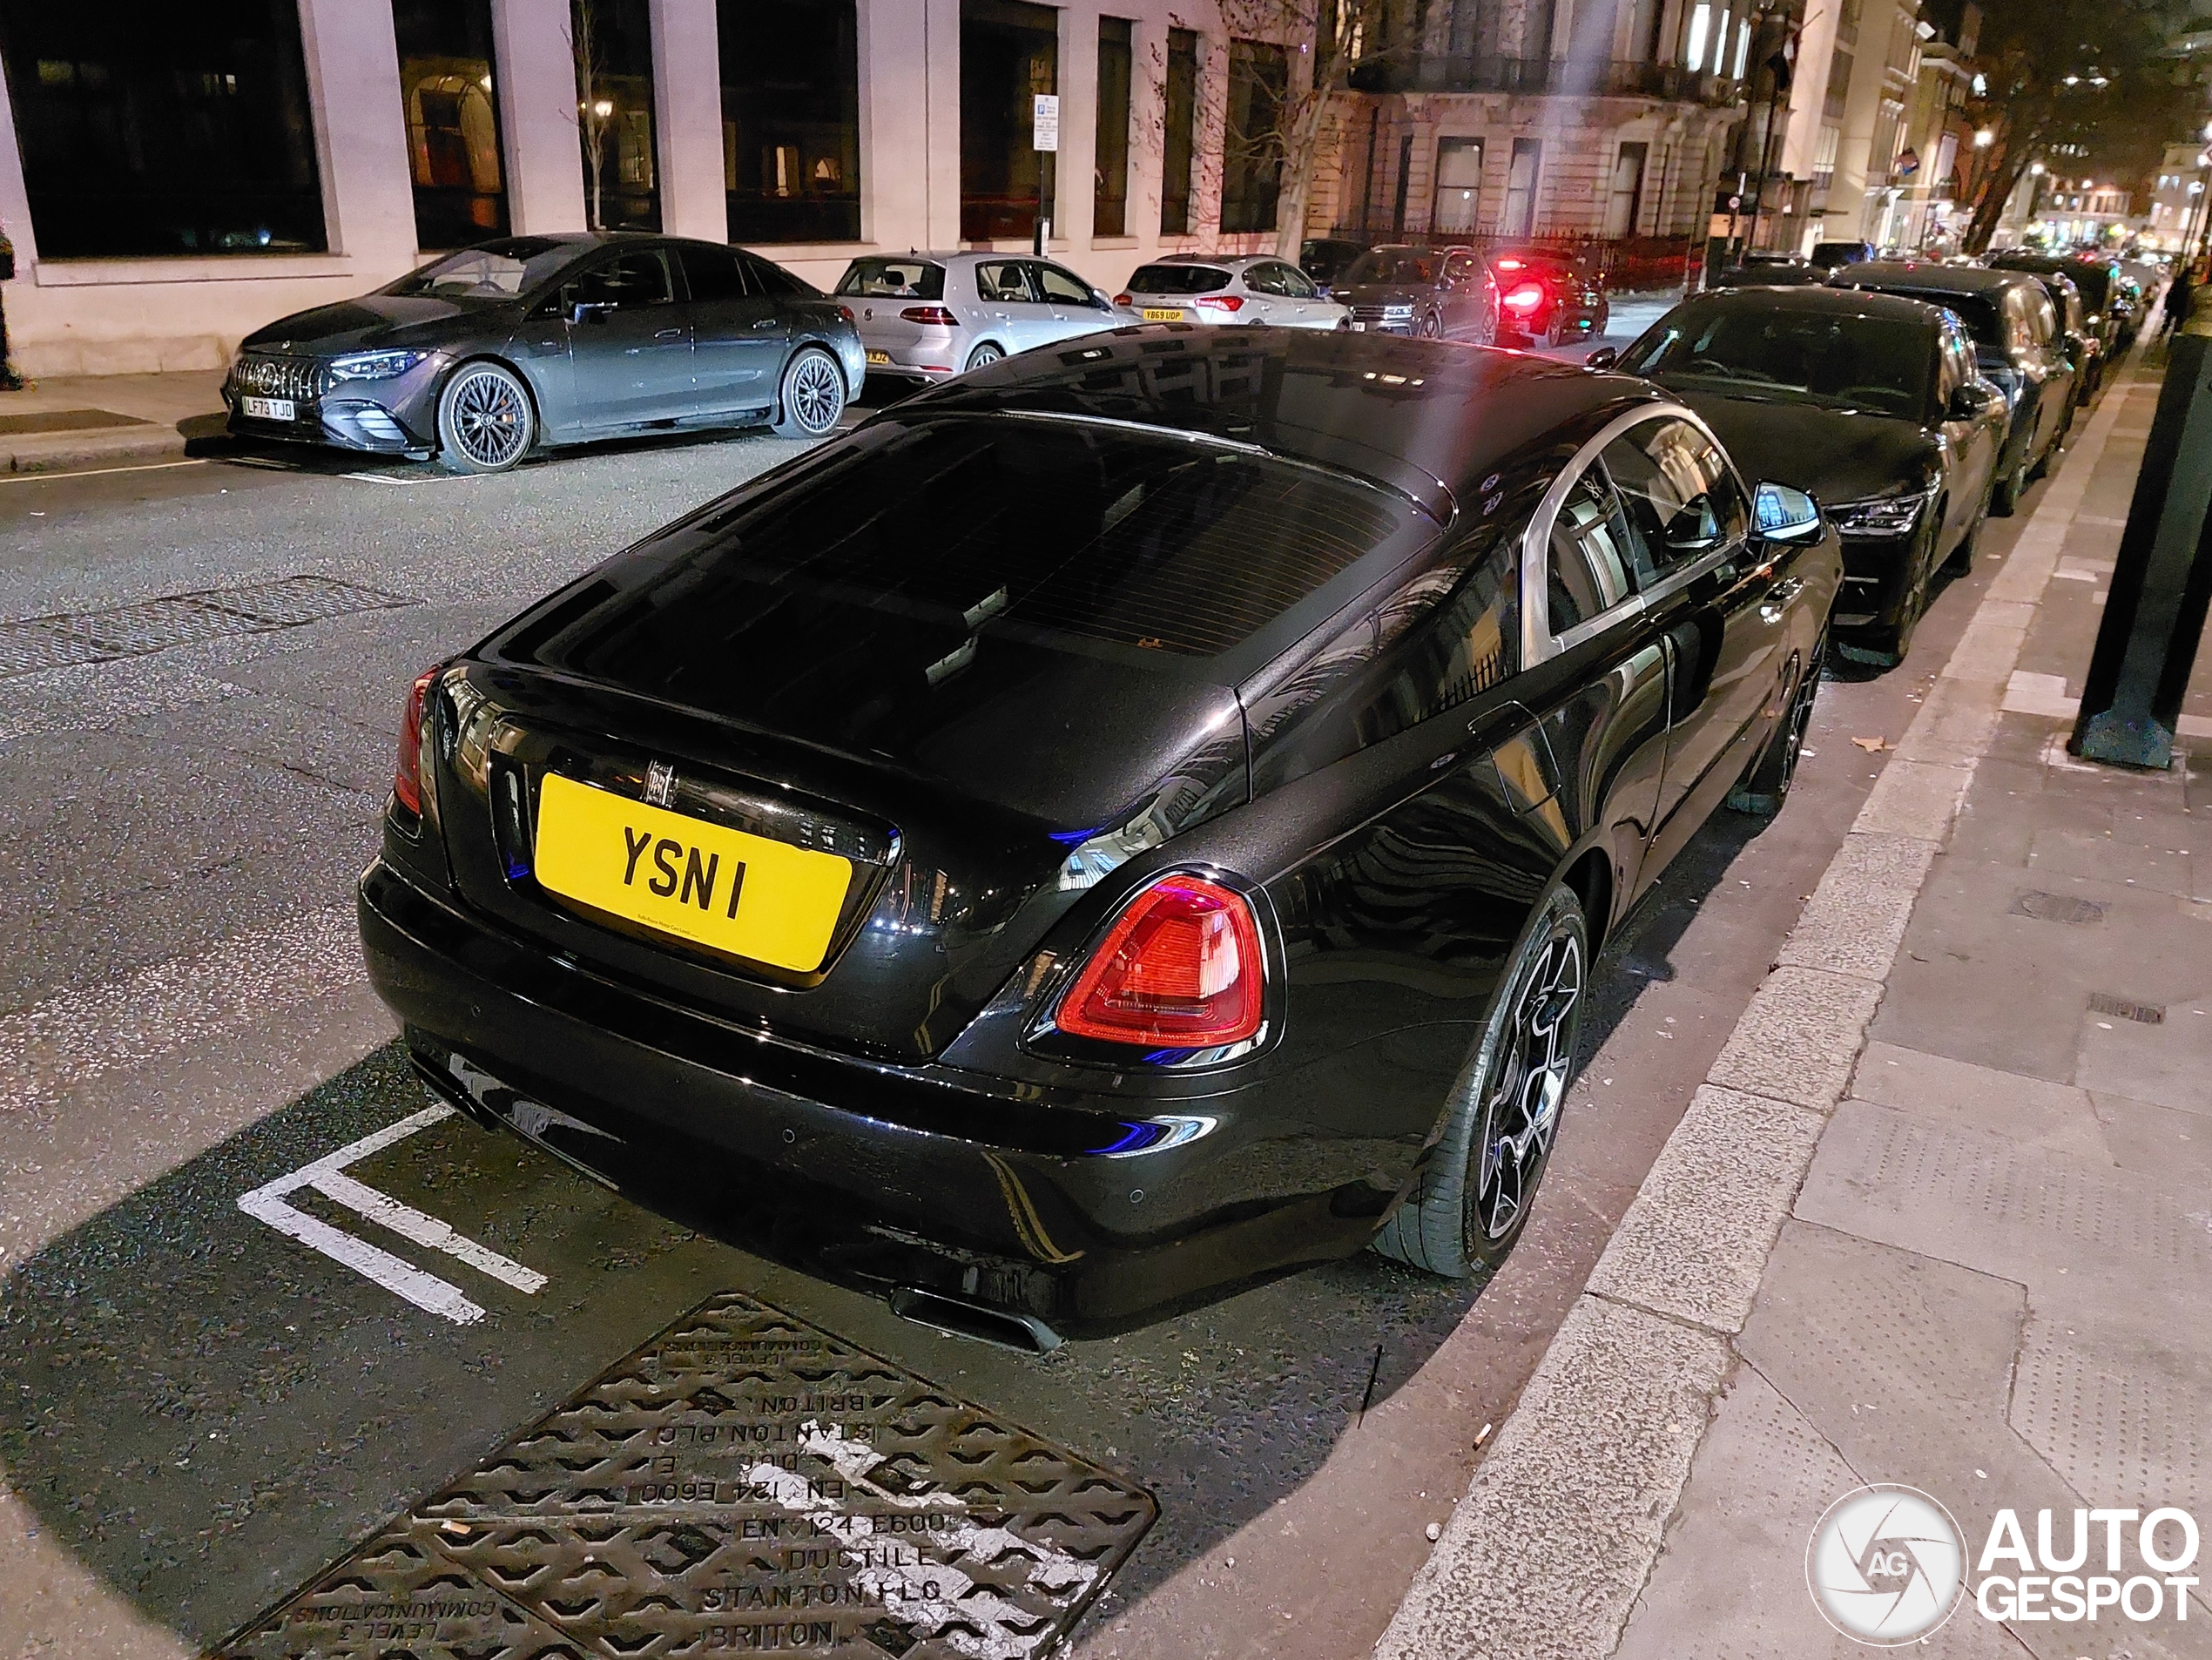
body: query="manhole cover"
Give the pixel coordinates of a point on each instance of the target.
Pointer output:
(744, 1483)
(2103, 1002)
(2058, 908)
(69, 637)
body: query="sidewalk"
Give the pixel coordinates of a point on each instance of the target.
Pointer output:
(1941, 1216)
(91, 420)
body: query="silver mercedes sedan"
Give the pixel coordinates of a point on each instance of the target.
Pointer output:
(1244, 289)
(929, 316)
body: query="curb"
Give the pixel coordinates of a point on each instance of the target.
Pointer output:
(66, 451)
(1544, 1557)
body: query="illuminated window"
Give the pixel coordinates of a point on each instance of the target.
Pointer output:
(614, 79)
(452, 105)
(1701, 22)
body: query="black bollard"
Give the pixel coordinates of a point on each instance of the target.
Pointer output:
(2154, 610)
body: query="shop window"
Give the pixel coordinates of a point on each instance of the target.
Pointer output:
(1110, 197)
(1010, 54)
(613, 44)
(790, 119)
(1180, 145)
(449, 89)
(1252, 171)
(147, 128)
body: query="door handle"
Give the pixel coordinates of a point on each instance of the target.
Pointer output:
(668, 334)
(765, 322)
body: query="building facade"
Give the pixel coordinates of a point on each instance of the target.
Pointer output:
(1508, 119)
(174, 176)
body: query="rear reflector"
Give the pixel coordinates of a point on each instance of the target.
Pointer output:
(1222, 302)
(1180, 968)
(406, 778)
(935, 316)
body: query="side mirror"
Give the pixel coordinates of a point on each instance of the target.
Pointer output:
(1604, 358)
(1785, 514)
(589, 311)
(1973, 400)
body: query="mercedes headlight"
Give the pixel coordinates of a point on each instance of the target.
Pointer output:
(1886, 516)
(373, 366)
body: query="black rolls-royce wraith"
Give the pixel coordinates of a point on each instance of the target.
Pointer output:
(1129, 822)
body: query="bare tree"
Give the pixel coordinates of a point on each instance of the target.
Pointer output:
(594, 109)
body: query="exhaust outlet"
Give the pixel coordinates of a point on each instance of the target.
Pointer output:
(956, 1317)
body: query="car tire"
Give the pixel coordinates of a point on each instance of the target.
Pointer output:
(1766, 785)
(1961, 563)
(1895, 641)
(811, 397)
(485, 420)
(1432, 326)
(1472, 1198)
(2005, 500)
(987, 352)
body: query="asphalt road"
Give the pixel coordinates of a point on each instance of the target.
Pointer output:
(197, 1411)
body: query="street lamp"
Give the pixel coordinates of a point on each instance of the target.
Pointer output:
(1984, 139)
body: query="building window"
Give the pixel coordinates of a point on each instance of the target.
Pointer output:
(452, 104)
(1458, 186)
(1010, 54)
(1824, 159)
(1251, 162)
(1109, 194)
(790, 119)
(1701, 22)
(1179, 146)
(1624, 203)
(1521, 187)
(613, 43)
(150, 128)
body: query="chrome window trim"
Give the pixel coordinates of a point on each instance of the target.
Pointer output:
(1538, 643)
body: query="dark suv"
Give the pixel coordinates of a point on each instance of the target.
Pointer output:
(1443, 293)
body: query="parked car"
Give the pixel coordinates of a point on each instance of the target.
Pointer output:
(2093, 282)
(1268, 706)
(1188, 289)
(1442, 294)
(1871, 405)
(1325, 258)
(930, 316)
(483, 356)
(2017, 345)
(2083, 337)
(1829, 255)
(1549, 297)
(1767, 269)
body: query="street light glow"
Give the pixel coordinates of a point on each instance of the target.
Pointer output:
(1984, 139)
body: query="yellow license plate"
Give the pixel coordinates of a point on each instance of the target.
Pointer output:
(1162, 315)
(722, 888)
(879, 357)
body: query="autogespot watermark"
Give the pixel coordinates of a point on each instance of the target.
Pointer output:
(1887, 1565)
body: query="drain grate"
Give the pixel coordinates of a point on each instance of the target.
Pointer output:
(2058, 908)
(2103, 1002)
(743, 1483)
(69, 637)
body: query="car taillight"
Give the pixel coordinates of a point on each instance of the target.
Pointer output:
(1527, 297)
(1121, 299)
(1222, 302)
(1181, 968)
(407, 779)
(938, 316)
(846, 312)
(1508, 265)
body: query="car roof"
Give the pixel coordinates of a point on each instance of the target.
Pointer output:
(1228, 261)
(1430, 419)
(1936, 278)
(1815, 297)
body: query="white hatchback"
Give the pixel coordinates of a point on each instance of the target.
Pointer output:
(1248, 289)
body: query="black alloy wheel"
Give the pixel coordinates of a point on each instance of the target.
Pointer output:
(987, 352)
(2005, 499)
(485, 421)
(1432, 326)
(814, 395)
(1472, 1198)
(1766, 786)
(1891, 644)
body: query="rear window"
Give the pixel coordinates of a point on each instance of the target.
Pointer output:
(893, 279)
(1040, 526)
(1177, 279)
(1978, 311)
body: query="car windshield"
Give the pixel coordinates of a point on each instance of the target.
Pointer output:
(499, 270)
(1392, 265)
(1042, 527)
(893, 279)
(1177, 279)
(1875, 363)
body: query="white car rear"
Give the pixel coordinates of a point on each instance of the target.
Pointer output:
(1248, 289)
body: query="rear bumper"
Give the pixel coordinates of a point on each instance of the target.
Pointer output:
(877, 1175)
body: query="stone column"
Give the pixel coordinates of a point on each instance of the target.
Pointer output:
(352, 65)
(537, 114)
(687, 119)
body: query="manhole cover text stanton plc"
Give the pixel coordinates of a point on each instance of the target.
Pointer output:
(745, 1483)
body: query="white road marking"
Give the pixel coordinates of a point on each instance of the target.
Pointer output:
(326, 1176)
(94, 472)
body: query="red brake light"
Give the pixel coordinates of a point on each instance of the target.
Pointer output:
(846, 312)
(407, 779)
(1121, 299)
(1222, 302)
(1508, 265)
(1181, 968)
(938, 315)
(1527, 297)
